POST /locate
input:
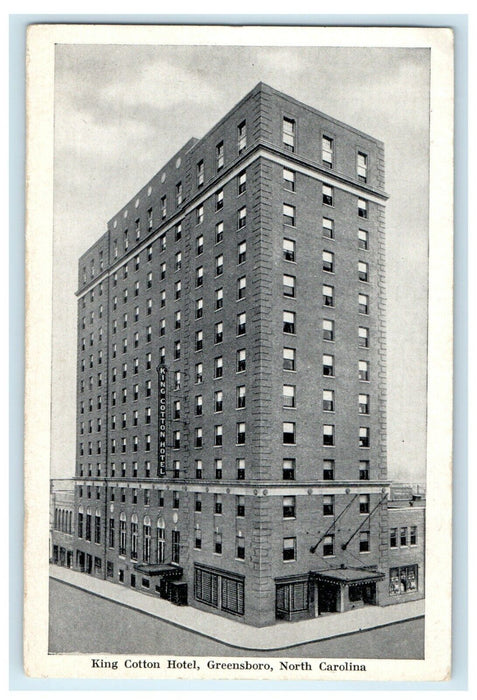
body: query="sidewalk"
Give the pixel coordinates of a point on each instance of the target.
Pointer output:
(236, 634)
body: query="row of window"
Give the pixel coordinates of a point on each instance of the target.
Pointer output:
(288, 474)
(403, 536)
(63, 520)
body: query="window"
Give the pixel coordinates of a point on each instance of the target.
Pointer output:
(364, 541)
(175, 547)
(178, 194)
(199, 308)
(288, 285)
(199, 245)
(199, 340)
(328, 366)
(328, 435)
(362, 208)
(327, 151)
(364, 470)
(198, 373)
(178, 231)
(328, 400)
(289, 359)
(163, 298)
(363, 370)
(199, 277)
(242, 136)
(178, 261)
(240, 433)
(177, 349)
(219, 200)
(200, 173)
(239, 549)
(240, 397)
(289, 437)
(328, 545)
(328, 469)
(289, 250)
(289, 322)
(177, 320)
(328, 261)
(413, 535)
(242, 182)
(289, 548)
(393, 537)
(327, 295)
(363, 271)
(328, 329)
(241, 360)
(198, 405)
(176, 439)
(242, 217)
(403, 537)
(363, 337)
(240, 506)
(164, 206)
(218, 468)
(198, 469)
(218, 542)
(240, 464)
(327, 195)
(327, 227)
(218, 367)
(198, 503)
(218, 435)
(219, 298)
(162, 326)
(199, 214)
(288, 180)
(218, 504)
(403, 580)
(176, 410)
(289, 506)
(241, 323)
(363, 303)
(328, 505)
(363, 239)
(218, 332)
(288, 396)
(219, 265)
(219, 156)
(364, 437)
(364, 501)
(219, 231)
(288, 469)
(362, 166)
(289, 134)
(363, 404)
(288, 215)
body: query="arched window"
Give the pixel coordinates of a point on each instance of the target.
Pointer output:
(161, 540)
(146, 539)
(122, 534)
(134, 538)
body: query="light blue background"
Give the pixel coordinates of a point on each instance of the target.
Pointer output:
(18, 25)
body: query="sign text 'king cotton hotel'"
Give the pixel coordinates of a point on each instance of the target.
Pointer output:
(231, 393)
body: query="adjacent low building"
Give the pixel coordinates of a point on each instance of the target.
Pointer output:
(231, 375)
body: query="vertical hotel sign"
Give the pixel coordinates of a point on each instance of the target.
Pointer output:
(162, 371)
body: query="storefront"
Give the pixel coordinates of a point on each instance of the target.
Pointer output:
(163, 579)
(339, 590)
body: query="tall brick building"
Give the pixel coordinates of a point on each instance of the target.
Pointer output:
(231, 398)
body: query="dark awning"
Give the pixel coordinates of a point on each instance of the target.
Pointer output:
(164, 570)
(351, 577)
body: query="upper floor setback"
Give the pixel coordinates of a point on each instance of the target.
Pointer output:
(263, 118)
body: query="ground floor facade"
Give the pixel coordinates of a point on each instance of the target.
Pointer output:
(277, 557)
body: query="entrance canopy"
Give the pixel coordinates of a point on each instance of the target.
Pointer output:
(347, 576)
(169, 571)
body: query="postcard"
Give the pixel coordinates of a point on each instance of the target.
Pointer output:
(238, 422)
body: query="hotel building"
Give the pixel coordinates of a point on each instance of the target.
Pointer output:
(231, 375)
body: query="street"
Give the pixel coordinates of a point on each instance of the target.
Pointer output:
(85, 623)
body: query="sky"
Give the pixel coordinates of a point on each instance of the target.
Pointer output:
(122, 111)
